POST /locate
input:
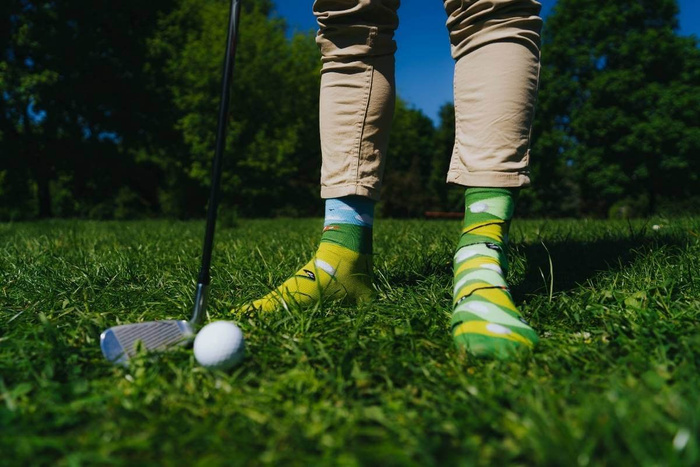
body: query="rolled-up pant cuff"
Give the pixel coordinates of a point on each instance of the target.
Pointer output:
(489, 179)
(350, 190)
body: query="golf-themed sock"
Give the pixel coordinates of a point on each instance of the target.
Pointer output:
(341, 268)
(485, 321)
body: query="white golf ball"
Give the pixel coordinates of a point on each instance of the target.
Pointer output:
(219, 345)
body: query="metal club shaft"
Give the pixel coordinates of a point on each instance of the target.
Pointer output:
(204, 279)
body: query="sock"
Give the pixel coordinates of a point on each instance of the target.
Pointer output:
(341, 268)
(485, 321)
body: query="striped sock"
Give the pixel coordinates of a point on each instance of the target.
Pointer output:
(485, 321)
(341, 268)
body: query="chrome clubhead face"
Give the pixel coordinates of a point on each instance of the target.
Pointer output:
(118, 343)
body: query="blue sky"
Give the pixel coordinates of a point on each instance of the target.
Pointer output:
(423, 54)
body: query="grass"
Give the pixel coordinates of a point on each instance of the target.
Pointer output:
(614, 381)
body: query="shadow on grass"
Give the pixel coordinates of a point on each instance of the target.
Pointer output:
(575, 261)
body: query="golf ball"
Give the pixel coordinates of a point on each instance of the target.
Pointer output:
(219, 345)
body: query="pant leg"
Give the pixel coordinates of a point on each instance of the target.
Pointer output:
(356, 39)
(496, 46)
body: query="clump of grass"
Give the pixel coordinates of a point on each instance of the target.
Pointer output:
(613, 381)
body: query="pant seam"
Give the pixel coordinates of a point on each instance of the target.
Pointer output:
(363, 121)
(455, 162)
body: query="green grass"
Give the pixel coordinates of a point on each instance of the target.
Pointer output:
(614, 381)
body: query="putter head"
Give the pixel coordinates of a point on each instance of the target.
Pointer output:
(118, 343)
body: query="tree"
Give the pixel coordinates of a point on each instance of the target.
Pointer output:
(273, 130)
(619, 104)
(109, 109)
(409, 163)
(74, 94)
(445, 197)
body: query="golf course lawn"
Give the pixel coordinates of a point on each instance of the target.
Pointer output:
(615, 379)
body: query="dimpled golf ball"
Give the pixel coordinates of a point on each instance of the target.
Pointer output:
(219, 345)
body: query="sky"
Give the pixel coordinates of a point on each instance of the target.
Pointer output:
(423, 54)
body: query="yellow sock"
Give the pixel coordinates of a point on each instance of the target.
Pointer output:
(334, 273)
(341, 268)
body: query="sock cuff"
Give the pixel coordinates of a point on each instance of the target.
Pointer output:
(354, 237)
(485, 204)
(352, 210)
(476, 191)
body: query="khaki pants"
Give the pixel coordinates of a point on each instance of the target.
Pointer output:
(495, 44)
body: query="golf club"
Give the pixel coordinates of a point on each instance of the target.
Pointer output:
(119, 343)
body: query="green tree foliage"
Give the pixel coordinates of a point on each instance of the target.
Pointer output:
(619, 106)
(110, 109)
(273, 129)
(409, 163)
(73, 95)
(446, 197)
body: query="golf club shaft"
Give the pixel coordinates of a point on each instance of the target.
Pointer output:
(204, 276)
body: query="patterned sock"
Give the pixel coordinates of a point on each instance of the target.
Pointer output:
(485, 321)
(341, 268)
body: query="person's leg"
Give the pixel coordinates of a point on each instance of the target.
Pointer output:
(356, 108)
(485, 321)
(496, 47)
(356, 39)
(341, 268)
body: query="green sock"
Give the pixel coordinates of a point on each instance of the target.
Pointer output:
(357, 238)
(485, 321)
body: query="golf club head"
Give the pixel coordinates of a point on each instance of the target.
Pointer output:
(118, 343)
